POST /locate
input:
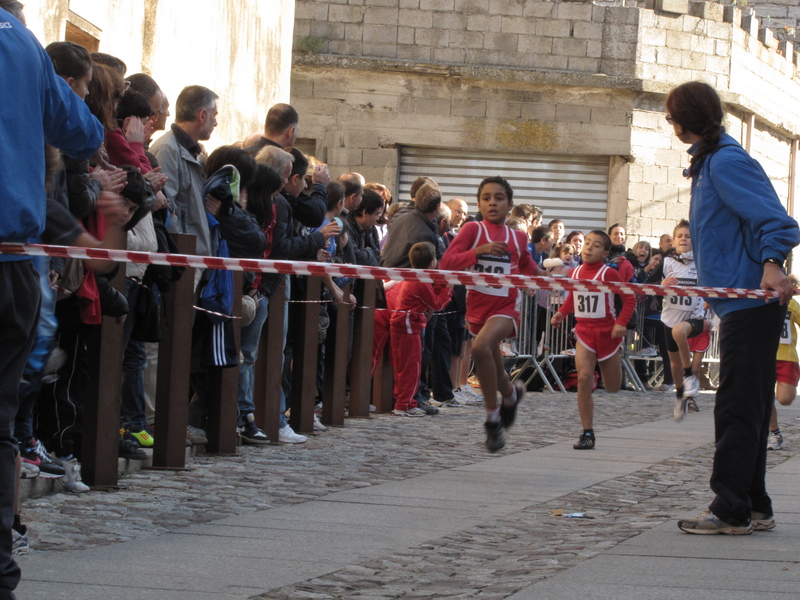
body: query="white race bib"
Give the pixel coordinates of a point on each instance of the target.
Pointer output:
(495, 265)
(786, 332)
(590, 305)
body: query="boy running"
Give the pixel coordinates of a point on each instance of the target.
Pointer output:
(688, 333)
(599, 331)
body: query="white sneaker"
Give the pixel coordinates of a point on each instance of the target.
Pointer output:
(318, 426)
(775, 441)
(665, 387)
(465, 398)
(286, 435)
(411, 412)
(456, 402)
(691, 386)
(72, 476)
(649, 351)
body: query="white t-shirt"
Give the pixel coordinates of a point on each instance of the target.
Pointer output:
(681, 308)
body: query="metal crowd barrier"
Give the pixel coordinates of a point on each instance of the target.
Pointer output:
(640, 344)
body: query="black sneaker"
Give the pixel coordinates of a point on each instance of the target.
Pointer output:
(586, 442)
(494, 436)
(34, 453)
(250, 433)
(509, 413)
(691, 405)
(129, 448)
(429, 410)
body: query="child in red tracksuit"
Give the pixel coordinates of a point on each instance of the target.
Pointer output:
(599, 331)
(382, 316)
(407, 321)
(489, 246)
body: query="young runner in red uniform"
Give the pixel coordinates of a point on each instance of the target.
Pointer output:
(488, 246)
(599, 330)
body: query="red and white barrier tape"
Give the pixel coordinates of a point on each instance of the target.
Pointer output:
(362, 272)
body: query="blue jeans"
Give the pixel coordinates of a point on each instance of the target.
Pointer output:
(249, 353)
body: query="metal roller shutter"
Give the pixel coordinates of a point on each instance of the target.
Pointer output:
(571, 188)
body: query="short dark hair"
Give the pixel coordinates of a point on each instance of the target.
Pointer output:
(555, 222)
(522, 211)
(421, 255)
(335, 194)
(572, 234)
(133, 105)
(602, 234)
(192, 100)
(300, 164)
(370, 202)
(14, 8)
(428, 198)
(115, 63)
(232, 155)
(682, 224)
(541, 233)
(280, 117)
(610, 229)
(351, 182)
(143, 84)
(501, 181)
(418, 183)
(69, 59)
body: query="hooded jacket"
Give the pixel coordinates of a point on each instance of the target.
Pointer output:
(736, 222)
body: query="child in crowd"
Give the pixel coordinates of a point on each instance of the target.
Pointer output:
(558, 229)
(688, 333)
(413, 301)
(489, 246)
(787, 370)
(599, 331)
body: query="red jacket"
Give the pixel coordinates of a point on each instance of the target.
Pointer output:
(121, 152)
(414, 300)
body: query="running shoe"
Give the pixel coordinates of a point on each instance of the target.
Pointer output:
(665, 387)
(287, 435)
(707, 523)
(761, 521)
(72, 476)
(33, 452)
(585, 442)
(144, 437)
(775, 441)
(494, 436)
(509, 413)
(681, 406)
(429, 410)
(318, 426)
(250, 433)
(29, 470)
(411, 412)
(129, 448)
(19, 541)
(691, 405)
(691, 386)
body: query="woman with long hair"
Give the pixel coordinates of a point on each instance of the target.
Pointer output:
(741, 236)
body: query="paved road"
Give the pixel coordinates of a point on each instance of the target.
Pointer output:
(414, 508)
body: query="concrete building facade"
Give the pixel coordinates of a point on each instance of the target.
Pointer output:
(241, 49)
(537, 79)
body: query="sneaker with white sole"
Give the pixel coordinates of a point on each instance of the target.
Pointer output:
(34, 452)
(691, 386)
(455, 402)
(72, 476)
(29, 470)
(707, 523)
(761, 521)
(665, 387)
(249, 431)
(19, 542)
(681, 407)
(691, 405)
(318, 426)
(775, 441)
(411, 412)
(286, 435)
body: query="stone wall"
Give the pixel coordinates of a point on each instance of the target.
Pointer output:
(470, 73)
(208, 42)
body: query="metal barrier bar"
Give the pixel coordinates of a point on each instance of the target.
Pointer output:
(305, 359)
(636, 342)
(527, 346)
(335, 382)
(174, 366)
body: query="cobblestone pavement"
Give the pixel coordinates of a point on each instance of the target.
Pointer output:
(492, 560)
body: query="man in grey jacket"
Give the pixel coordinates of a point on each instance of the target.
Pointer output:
(177, 152)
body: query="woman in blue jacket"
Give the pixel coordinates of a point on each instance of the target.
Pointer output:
(741, 236)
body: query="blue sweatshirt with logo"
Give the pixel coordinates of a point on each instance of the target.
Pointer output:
(736, 222)
(36, 106)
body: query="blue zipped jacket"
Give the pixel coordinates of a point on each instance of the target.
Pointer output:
(36, 106)
(736, 221)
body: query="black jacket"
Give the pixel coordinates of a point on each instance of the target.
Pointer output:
(363, 247)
